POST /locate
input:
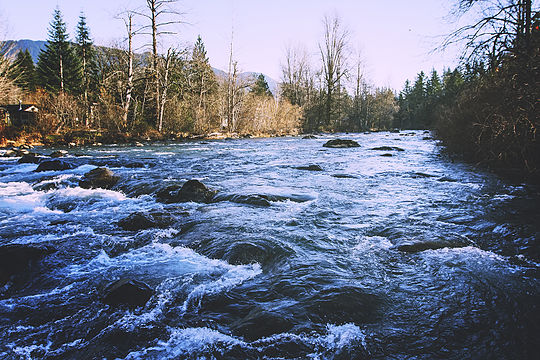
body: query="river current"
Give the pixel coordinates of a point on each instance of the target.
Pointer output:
(325, 268)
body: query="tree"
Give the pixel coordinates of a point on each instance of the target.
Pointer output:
(87, 55)
(296, 79)
(59, 68)
(333, 53)
(500, 27)
(160, 15)
(23, 71)
(202, 83)
(9, 91)
(260, 87)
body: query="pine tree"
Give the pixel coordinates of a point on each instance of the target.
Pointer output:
(87, 55)
(23, 71)
(59, 68)
(204, 79)
(260, 87)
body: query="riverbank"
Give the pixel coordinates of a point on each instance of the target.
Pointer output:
(73, 138)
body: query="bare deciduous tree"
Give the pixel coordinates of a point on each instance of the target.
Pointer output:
(501, 26)
(161, 15)
(333, 51)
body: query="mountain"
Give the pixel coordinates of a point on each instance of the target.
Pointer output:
(251, 76)
(34, 47)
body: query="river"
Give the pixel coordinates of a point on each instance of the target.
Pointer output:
(326, 266)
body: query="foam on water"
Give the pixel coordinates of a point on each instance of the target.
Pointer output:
(20, 197)
(198, 341)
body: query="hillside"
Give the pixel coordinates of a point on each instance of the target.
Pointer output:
(34, 47)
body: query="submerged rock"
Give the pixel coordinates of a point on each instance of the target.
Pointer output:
(413, 246)
(387, 148)
(54, 165)
(387, 155)
(128, 292)
(344, 176)
(140, 221)
(99, 178)
(311, 167)
(309, 137)
(18, 260)
(341, 143)
(192, 190)
(58, 153)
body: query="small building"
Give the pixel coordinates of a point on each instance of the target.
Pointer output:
(19, 114)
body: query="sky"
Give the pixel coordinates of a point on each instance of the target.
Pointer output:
(395, 38)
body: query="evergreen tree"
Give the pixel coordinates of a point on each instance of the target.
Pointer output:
(59, 68)
(260, 87)
(23, 71)
(87, 55)
(204, 80)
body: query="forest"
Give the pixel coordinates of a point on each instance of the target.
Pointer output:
(486, 109)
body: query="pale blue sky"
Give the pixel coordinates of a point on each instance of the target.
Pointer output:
(395, 37)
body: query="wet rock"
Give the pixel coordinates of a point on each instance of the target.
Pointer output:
(196, 191)
(309, 137)
(387, 148)
(58, 153)
(58, 222)
(252, 199)
(427, 138)
(387, 155)
(15, 152)
(413, 246)
(18, 260)
(192, 190)
(168, 194)
(341, 143)
(421, 175)
(26, 147)
(128, 292)
(140, 221)
(54, 165)
(446, 179)
(30, 158)
(394, 130)
(344, 176)
(311, 167)
(99, 178)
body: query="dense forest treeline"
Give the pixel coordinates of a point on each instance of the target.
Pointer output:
(487, 109)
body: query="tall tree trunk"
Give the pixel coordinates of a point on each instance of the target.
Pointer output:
(129, 86)
(165, 86)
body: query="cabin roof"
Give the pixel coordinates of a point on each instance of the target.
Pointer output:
(19, 107)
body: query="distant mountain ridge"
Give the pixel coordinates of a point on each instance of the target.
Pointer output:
(34, 47)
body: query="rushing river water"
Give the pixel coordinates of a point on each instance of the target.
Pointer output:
(319, 271)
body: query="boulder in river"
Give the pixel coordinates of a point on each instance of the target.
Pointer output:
(128, 292)
(192, 190)
(309, 137)
(19, 259)
(341, 143)
(58, 153)
(142, 220)
(311, 167)
(99, 178)
(387, 148)
(54, 165)
(30, 158)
